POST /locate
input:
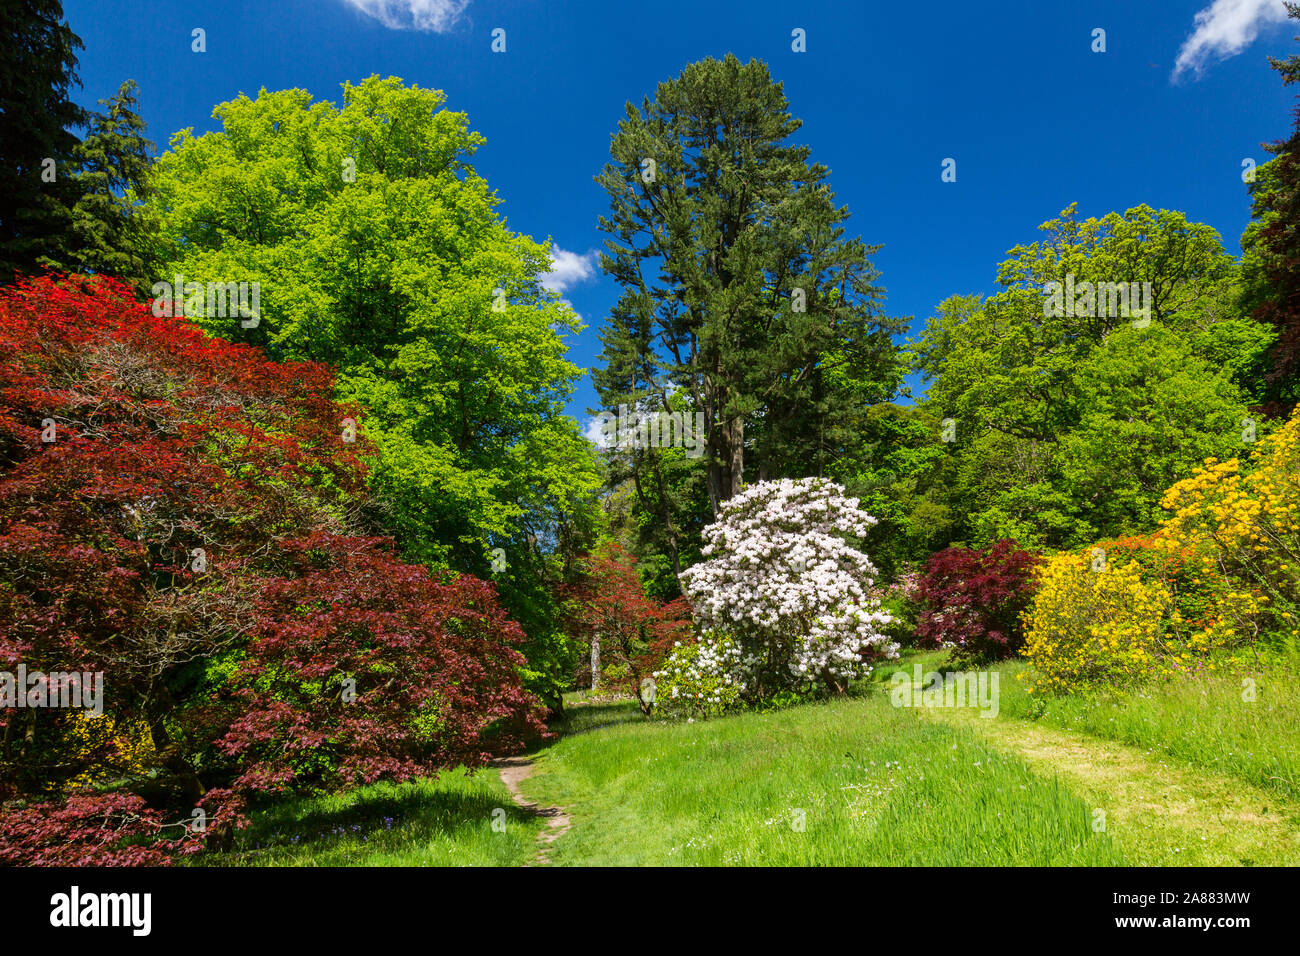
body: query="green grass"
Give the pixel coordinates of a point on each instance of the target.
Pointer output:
(1202, 720)
(871, 783)
(440, 822)
(1199, 720)
(585, 718)
(1186, 773)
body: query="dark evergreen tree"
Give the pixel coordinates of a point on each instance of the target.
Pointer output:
(742, 297)
(37, 72)
(111, 229)
(1277, 243)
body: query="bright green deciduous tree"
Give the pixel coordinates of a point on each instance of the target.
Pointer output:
(378, 249)
(1069, 424)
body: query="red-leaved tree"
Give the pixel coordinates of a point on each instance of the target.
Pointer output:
(972, 600)
(636, 633)
(191, 520)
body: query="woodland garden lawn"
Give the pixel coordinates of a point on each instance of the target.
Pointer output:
(880, 785)
(361, 532)
(1185, 774)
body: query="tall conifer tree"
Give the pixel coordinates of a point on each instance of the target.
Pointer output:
(742, 297)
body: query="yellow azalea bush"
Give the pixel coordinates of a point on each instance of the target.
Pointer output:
(1088, 625)
(1222, 571)
(112, 747)
(1241, 522)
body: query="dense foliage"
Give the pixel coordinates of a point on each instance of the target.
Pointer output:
(271, 529)
(1274, 246)
(743, 300)
(377, 248)
(1238, 520)
(701, 680)
(1219, 577)
(632, 633)
(69, 203)
(190, 520)
(1067, 428)
(37, 77)
(972, 600)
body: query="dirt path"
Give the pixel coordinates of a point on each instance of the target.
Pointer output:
(515, 769)
(1160, 811)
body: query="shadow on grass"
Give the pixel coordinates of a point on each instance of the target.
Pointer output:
(382, 816)
(584, 718)
(939, 661)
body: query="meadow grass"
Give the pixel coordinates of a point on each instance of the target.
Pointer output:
(854, 781)
(848, 782)
(445, 821)
(1203, 720)
(1187, 771)
(581, 718)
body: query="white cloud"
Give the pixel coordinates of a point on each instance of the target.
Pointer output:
(431, 16)
(1224, 29)
(594, 432)
(568, 269)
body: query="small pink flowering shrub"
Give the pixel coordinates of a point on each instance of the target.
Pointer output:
(783, 580)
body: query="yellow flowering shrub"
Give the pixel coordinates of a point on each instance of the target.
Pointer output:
(1222, 570)
(114, 747)
(1241, 521)
(1087, 625)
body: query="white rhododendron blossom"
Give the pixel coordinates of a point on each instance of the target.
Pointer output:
(699, 680)
(780, 576)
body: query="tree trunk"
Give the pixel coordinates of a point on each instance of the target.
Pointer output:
(726, 461)
(736, 464)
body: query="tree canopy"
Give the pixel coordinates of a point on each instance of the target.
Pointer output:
(378, 249)
(740, 288)
(1067, 424)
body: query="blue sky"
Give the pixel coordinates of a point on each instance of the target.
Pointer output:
(1012, 91)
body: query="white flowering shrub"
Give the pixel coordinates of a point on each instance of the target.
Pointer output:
(700, 680)
(781, 577)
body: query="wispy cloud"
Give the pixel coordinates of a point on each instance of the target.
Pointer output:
(594, 432)
(431, 16)
(1224, 29)
(568, 269)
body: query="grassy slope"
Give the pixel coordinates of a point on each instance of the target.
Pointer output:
(1200, 721)
(875, 785)
(1186, 773)
(442, 822)
(1159, 811)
